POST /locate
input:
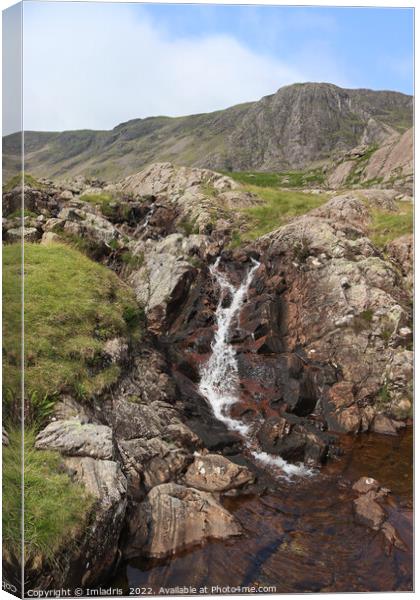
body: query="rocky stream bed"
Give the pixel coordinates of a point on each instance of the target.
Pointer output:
(260, 430)
(301, 536)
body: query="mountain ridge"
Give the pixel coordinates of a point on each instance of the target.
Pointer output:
(297, 126)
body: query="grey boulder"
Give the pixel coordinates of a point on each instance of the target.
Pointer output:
(73, 438)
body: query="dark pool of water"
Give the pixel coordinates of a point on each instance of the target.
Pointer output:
(301, 536)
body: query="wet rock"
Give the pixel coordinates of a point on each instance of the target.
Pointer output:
(73, 438)
(368, 512)
(215, 473)
(365, 484)
(181, 517)
(348, 313)
(97, 549)
(385, 425)
(294, 440)
(392, 536)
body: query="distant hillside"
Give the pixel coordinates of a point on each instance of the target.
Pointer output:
(300, 125)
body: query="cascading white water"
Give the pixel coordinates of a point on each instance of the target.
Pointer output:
(220, 377)
(148, 217)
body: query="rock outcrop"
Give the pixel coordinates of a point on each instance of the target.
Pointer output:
(401, 251)
(154, 444)
(215, 473)
(346, 307)
(73, 438)
(369, 510)
(388, 164)
(180, 517)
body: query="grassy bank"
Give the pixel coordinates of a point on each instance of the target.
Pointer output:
(55, 507)
(27, 180)
(72, 307)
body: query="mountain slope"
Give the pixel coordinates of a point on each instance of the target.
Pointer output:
(299, 125)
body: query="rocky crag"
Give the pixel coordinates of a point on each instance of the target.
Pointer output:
(299, 126)
(323, 345)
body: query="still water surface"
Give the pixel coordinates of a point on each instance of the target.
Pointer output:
(301, 536)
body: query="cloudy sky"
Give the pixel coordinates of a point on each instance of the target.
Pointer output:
(90, 65)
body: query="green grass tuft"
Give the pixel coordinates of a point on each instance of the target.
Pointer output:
(387, 226)
(278, 207)
(134, 261)
(209, 190)
(99, 198)
(187, 226)
(276, 180)
(55, 507)
(108, 203)
(28, 180)
(19, 213)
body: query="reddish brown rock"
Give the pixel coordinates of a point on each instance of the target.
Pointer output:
(293, 439)
(368, 511)
(342, 413)
(392, 536)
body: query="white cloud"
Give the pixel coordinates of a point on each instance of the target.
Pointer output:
(96, 65)
(12, 69)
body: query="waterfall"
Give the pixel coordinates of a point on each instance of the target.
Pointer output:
(219, 378)
(219, 381)
(148, 217)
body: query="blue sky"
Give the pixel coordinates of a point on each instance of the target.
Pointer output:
(372, 46)
(90, 65)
